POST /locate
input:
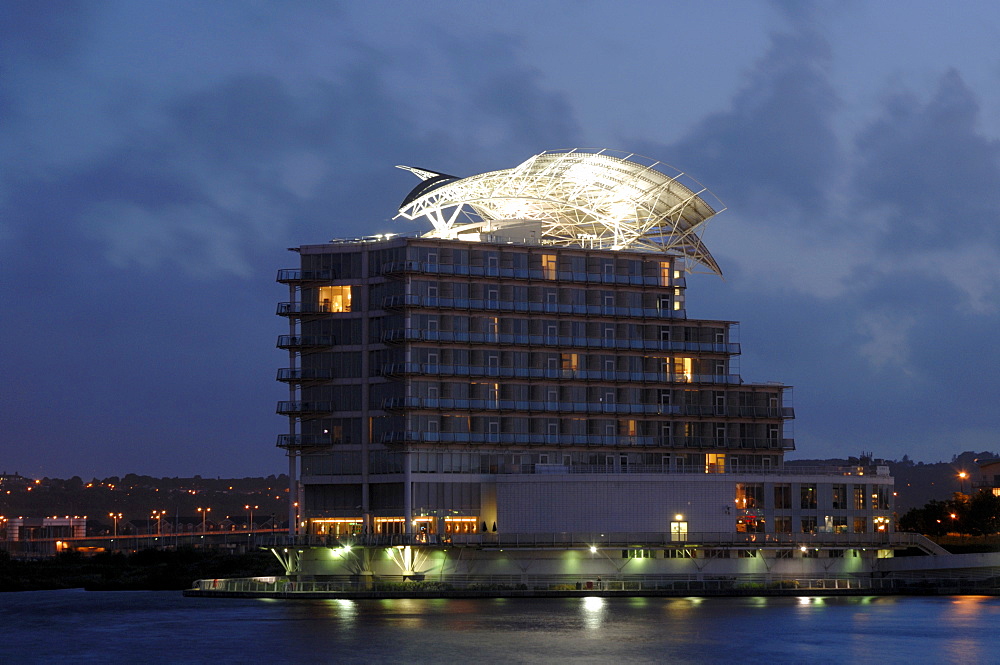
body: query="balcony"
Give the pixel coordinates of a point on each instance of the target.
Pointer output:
(304, 409)
(401, 335)
(301, 441)
(292, 276)
(428, 369)
(418, 267)
(518, 306)
(302, 310)
(303, 375)
(729, 444)
(507, 439)
(305, 343)
(556, 406)
(746, 412)
(448, 404)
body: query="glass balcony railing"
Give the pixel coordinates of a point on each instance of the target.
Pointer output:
(292, 276)
(305, 374)
(305, 441)
(300, 409)
(587, 440)
(395, 403)
(518, 306)
(300, 342)
(397, 369)
(562, 341)
(301, 308)
(555, 406)
(524, 273)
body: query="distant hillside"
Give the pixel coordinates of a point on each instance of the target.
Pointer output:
(135, 497)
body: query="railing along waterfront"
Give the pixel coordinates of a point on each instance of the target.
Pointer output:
(590, 584)
(620, 540)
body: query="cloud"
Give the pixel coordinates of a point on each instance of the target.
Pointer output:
(884, 340)
(926, 165)
(775, 147)
(160, 239)
(41, 33)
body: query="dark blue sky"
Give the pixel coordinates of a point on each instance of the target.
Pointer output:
(157, 159)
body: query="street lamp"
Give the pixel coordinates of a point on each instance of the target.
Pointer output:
(158, 515)
(204, 515)
(115, 517)
(250, 510)
(962, 475)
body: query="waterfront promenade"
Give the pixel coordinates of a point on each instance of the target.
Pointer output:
(237, 541)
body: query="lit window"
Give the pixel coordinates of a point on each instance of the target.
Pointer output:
(335, 298)
(549, 266)
(570, 361)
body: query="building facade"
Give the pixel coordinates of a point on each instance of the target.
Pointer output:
(533, 375)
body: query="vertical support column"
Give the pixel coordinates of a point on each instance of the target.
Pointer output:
(366, 422)
(293, 492)
(408, 492)
(293, 450)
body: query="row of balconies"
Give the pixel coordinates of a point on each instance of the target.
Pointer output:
(505, 339)
(518, 306)
(429, 369)
(525, 273)
(311, 342)
(608, 440)
(315, 408)
(554, 406)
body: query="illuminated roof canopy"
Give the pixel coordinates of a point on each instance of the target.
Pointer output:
(578, 198)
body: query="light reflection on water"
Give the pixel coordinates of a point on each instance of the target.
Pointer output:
(159, 627)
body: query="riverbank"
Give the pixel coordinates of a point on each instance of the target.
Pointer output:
(147, 570)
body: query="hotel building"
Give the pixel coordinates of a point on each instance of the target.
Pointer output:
(524, 380)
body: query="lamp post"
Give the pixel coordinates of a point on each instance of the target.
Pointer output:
(158, 515)
(115, 517)
(204, 515)
(962, 475)
(250, 510)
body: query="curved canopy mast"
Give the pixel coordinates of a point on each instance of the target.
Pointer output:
(581, 198)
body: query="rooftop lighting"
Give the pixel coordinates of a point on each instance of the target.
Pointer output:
(580, 197)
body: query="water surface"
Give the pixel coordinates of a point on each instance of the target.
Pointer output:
(164, 627)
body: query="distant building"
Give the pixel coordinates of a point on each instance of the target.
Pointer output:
(11, 481)
(42, 528)
(527, 372)
(988, 479)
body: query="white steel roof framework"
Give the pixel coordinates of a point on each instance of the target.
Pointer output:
(580, 197)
